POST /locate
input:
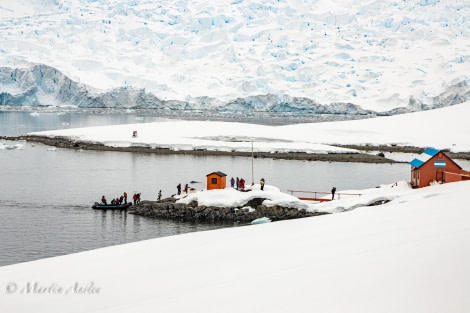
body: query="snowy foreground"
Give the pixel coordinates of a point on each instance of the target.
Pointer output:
(409, 255)
(445, 128)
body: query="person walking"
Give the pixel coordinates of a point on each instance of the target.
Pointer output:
(333, 193)
(159, 195)
(179, 188)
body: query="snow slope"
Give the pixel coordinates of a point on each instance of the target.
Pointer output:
(345, 200)
(410, 255)
(444, 128)
(379, 55)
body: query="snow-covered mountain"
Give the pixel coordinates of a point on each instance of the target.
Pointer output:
(354, 57)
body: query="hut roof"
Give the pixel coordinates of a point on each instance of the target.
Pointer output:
(218, 173)
(424, 157)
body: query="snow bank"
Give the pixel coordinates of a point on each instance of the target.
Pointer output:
(410, 255)
(230, 197)
(345, 200)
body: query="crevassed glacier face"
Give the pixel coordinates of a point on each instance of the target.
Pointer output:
(378, 55)
(41, 85)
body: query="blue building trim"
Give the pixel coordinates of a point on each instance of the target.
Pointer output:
(424, 157)
(416, 163)
(431, 151)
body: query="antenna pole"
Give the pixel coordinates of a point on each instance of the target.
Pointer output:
(252, 166)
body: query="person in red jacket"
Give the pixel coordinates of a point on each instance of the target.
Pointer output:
(242, 184)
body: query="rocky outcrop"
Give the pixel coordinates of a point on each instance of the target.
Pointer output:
(192, 212)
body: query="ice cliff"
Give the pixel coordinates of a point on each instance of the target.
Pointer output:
(354, 57)
(41, 85)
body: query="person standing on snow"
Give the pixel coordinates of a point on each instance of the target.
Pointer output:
(261, 183)
(232, 182)
(333, 193)
(242, 184)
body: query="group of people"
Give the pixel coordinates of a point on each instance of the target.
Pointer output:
(178, 188)
(240, 183)
(121, 199)
(136, 198)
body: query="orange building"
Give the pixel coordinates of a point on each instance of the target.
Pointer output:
(435, 166)
(216, 180)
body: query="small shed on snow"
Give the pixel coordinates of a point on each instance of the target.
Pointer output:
(216, 180)
(435, 166)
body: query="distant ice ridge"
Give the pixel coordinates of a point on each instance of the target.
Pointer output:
(41, 85)
(284, 55)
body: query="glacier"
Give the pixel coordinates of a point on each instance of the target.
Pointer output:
(358, 58)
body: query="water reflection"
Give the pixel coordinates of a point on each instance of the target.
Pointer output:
(17, 123)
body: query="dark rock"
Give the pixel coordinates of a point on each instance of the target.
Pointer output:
(255, 202)
(168, 209)
(193, 203)
(379, 202)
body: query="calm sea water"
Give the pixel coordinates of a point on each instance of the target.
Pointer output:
(46, 196)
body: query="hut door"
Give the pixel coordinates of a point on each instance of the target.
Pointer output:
(440, 177)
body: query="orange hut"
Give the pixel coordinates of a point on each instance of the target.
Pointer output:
(435, 166)
(216, 180)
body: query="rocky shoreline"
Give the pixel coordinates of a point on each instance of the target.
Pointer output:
(192, 212)
(366, 157)
(64, 142)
